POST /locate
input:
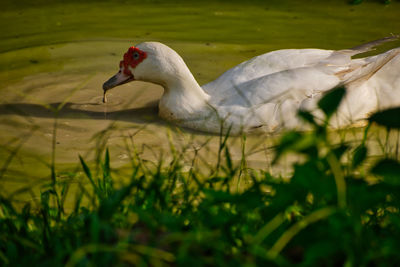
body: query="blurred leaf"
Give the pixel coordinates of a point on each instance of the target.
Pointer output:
(268, 228)
(78, 201)
(311, 218)
(362, 196)
(110, 205)
(331, 101)
(287, 140)
(86, 169)
(307, 116)
(87, 172)
(228, 160)
(310, 177)
(4, 258)
(389, 118)
(389, 169)
(26, 211)
(106, 170)
(295, 142)
(340, 150)
(6, 207)
(360, 154)
(44, 199)
(320, 251)
(216, 196)
(105, 186)
(94, 228)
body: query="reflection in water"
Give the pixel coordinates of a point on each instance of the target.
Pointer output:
(82, 110)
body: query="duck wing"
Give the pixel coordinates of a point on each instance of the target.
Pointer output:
(298, 72)
(286, 59)
(263, 65)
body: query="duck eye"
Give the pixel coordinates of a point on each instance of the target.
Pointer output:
(136, 55)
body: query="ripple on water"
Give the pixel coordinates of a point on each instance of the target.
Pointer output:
(96, 104)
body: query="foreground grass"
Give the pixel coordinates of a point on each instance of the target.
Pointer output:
(332, 211)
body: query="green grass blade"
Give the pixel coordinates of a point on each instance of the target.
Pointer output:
(297, 227)
(89, 176)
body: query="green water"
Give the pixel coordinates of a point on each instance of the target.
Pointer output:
(239, 29)
(53, 52)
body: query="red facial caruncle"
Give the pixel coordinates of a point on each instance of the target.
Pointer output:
(132, 58)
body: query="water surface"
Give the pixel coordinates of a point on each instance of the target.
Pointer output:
(54, 58)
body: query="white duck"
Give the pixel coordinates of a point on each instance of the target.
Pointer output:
(265, 92)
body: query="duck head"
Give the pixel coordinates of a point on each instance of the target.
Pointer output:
(151, 62)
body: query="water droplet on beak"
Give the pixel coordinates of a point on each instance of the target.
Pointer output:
(105, 96)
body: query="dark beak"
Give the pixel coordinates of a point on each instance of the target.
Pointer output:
(117, 79)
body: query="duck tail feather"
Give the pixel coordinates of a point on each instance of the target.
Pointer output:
(369, 68)
(371, 45)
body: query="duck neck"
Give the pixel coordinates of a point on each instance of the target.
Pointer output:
(182, 96)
